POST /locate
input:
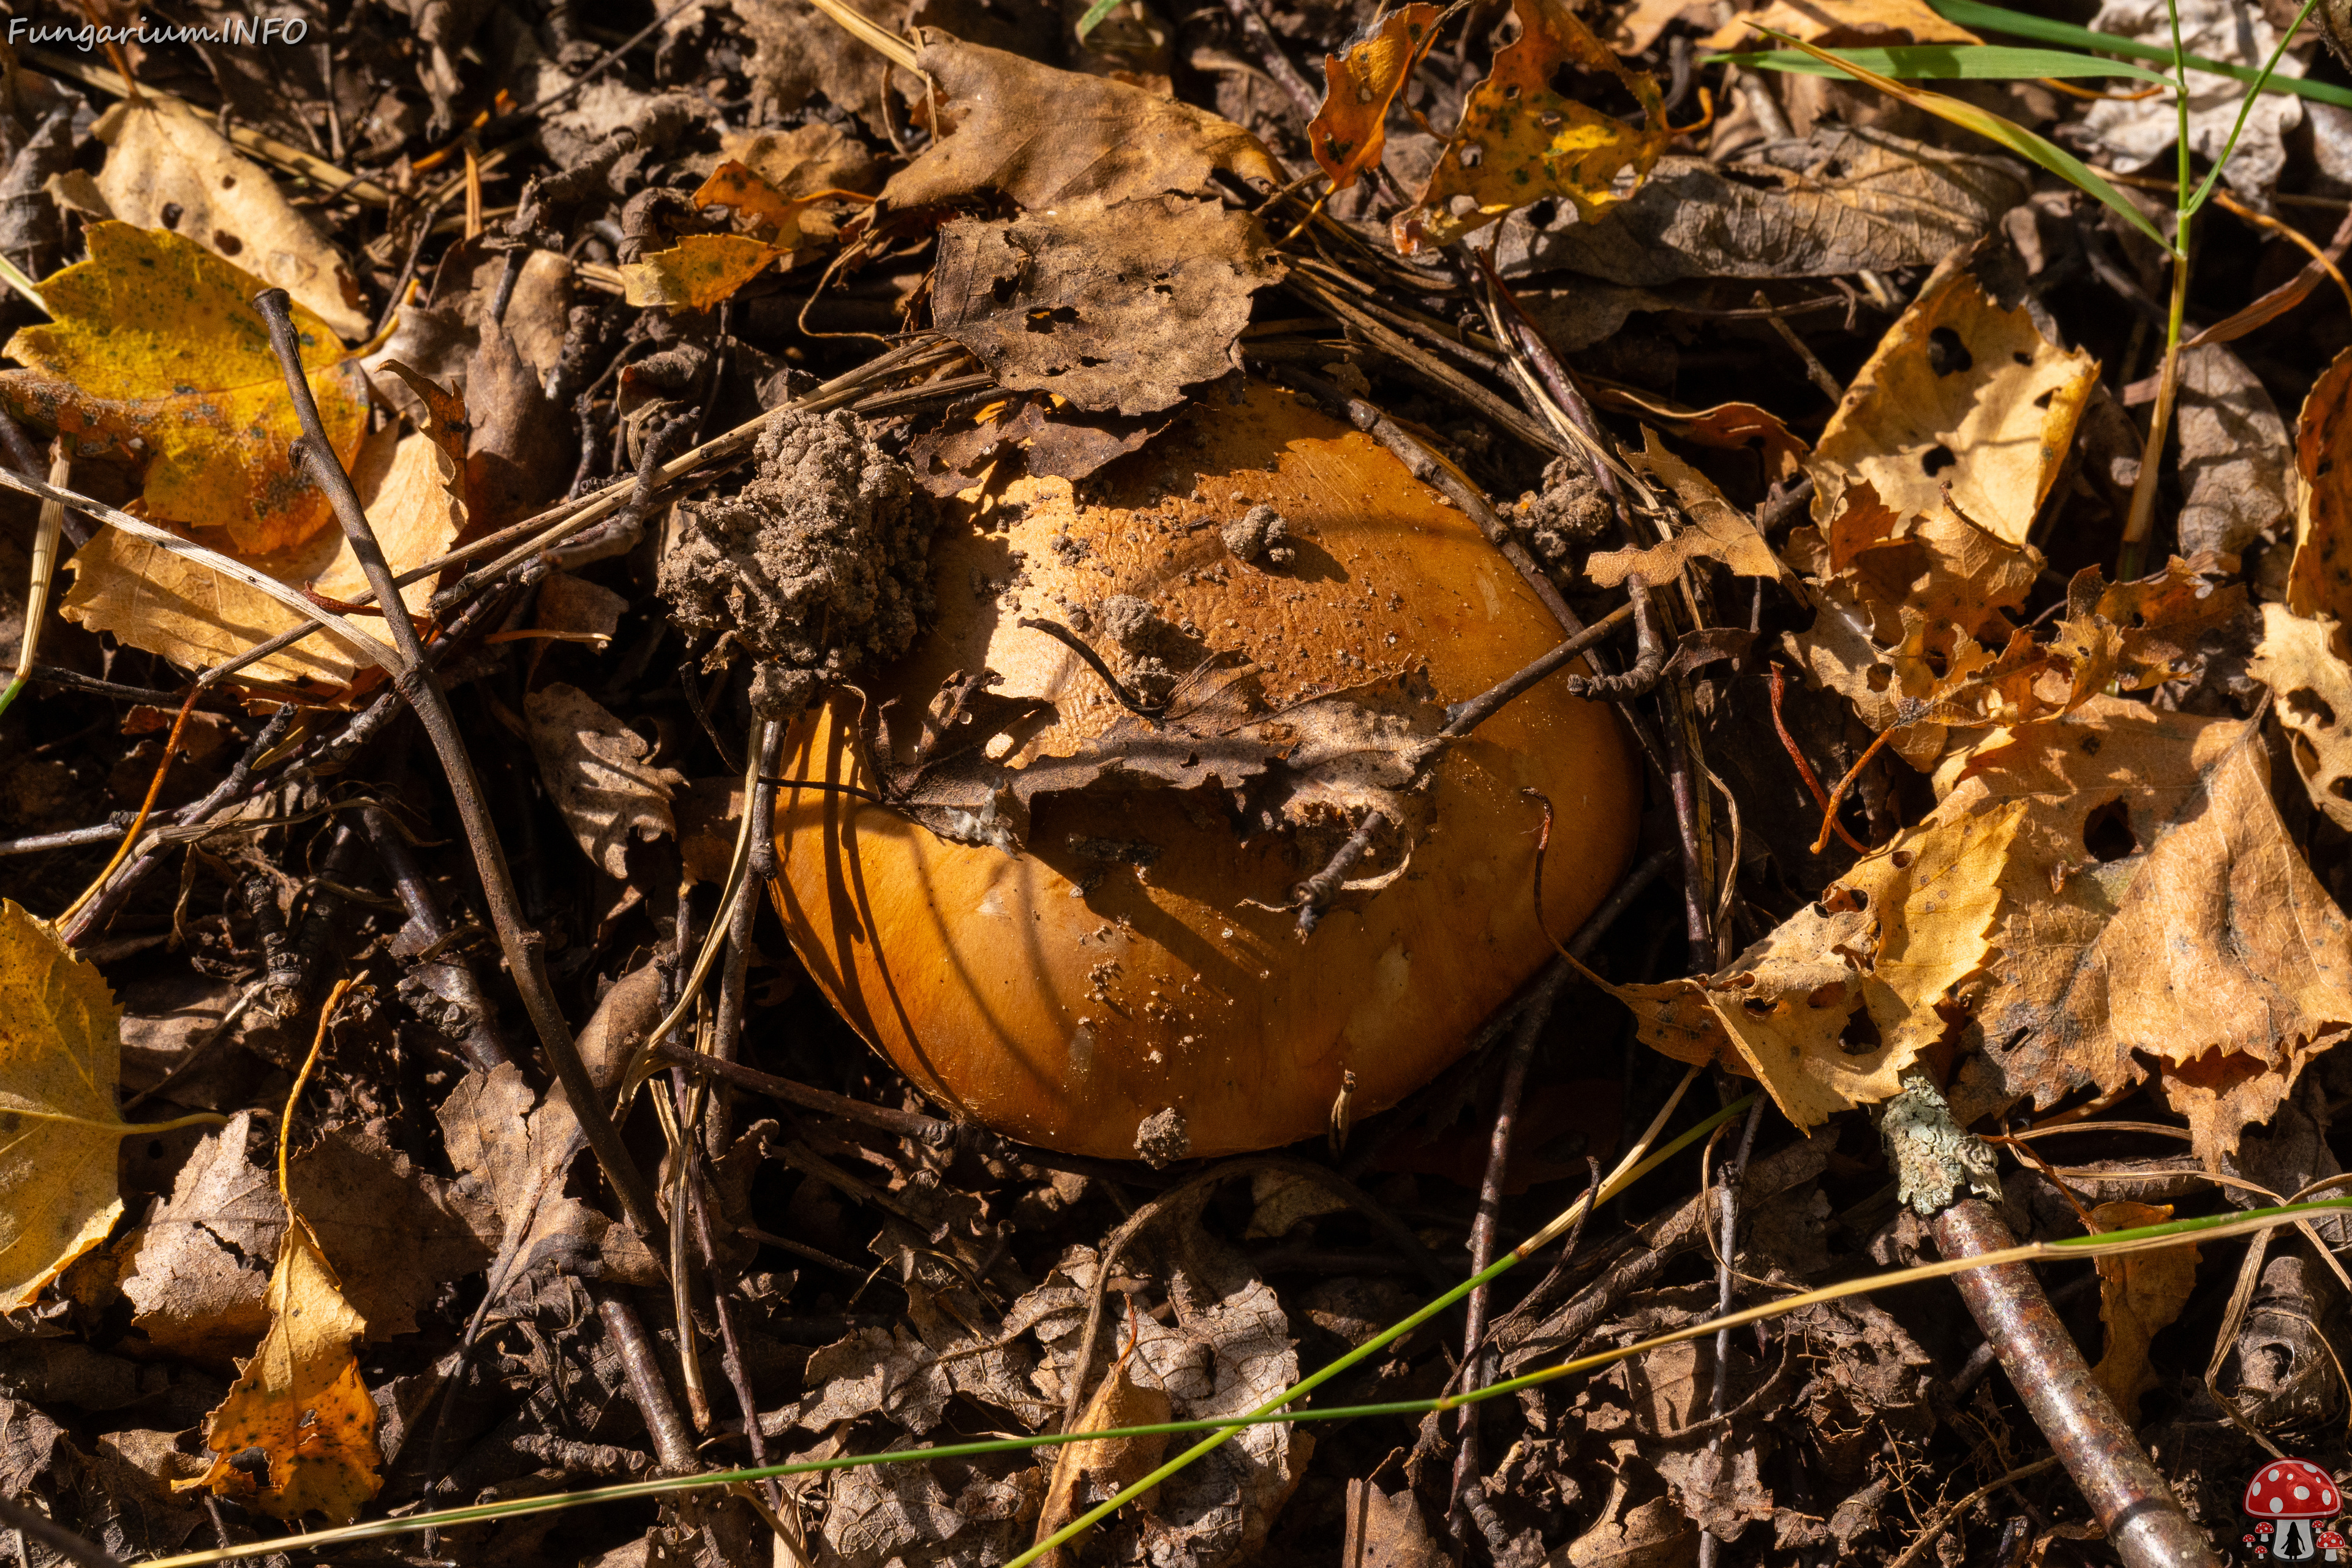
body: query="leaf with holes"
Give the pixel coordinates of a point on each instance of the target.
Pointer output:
(1350, 131)
(1521, 140)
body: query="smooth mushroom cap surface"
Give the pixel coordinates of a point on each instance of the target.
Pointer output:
(1115, 971)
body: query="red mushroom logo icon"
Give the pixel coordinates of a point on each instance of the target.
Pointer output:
(2331, 1546)
(2294, 1495)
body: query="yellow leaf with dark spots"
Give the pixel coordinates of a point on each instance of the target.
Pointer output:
(157, 358)
(697, 272)
(1350, 129)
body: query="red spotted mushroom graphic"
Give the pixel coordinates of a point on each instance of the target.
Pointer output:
(2331, 1546)
(2295, 1496)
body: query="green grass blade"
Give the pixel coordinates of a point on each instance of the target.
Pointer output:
(1094, 16)
(2008, 133)
(2237, 127)
(1957, 62)
(1975, 14)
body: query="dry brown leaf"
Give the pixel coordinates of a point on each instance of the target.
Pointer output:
(2158, 922)
(805, 160)
(511, 1152)
(1727, 427)
(2235, 462)
(595, 769)
(1960, 392)
(1385, 1529)
(1089, 1473)
(1874, 23)
(1654, 1534)
(1846, 199)
(403, 1232)
(1060, 142)
(1831, 1008)
(2139, 1293)
(2297, 661)
(167, 169)
(60, 1059)
(151, 598)
(300, 1400)
(1718, 531)
(195, 1287)
(2319, 582)
(1116, 310)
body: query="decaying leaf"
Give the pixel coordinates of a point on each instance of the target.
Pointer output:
(300, 1400)
(1348, 132)
(1521, 140)
(2297, 661)
(156, 358)
(2235, 462)
(2158, 922)
(698, 271)
(1116, 310)
(2139, 1293)
(1056, 141)
(1830, 1010)
(2319, 582)
(595, 771)
(512, 1152)
(1718, 531)
(1086, 1474)
(1840, 201)
(151, 598)
(195, 1285)
(1963, 392)
(168, 169)
(60, 1057)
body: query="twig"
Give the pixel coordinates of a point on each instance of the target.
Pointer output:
(1275, 59)
(449, 976)
(418, 688)
(1934, 1531)
(1728, 1209)
(54, 1536)
(1780, 682)
(1819, 374)
(1946, 1175)
(650, 1391)
(923, 1128)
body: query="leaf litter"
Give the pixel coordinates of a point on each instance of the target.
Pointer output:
(1866, 403)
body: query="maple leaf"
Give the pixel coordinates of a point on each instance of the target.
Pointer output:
(1350, 129)
(60, 1059)
(1521, 140)
(157, 358)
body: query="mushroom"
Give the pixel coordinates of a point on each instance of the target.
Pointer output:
(1102, 957)
(2293, 1492)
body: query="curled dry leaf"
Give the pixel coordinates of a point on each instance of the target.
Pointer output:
(60, 1059)
(1087, 1474)
(1839, 202)
(167, 169)
(2139, 1293)
(1116, 310)
(1350, 131)
(1718, 531)
(594, 767)
(156, 357)
(1521, 140)
(300, 1400)
(1061, 140)
(2314, 691)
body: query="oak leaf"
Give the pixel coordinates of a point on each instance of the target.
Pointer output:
(2139, 1293)
(156, 357)
(1521, 140)
(1350, 129)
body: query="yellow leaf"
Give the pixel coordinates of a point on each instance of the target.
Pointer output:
(184, 611)
(1829, 1009)
(1348, 132)
(167, 169)
(1960, 391)
(156, 357)
(697, 272)
(300, 1400)
(1519, 142)
(2139, 1293)
(60, 1058)
(1873, 23)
